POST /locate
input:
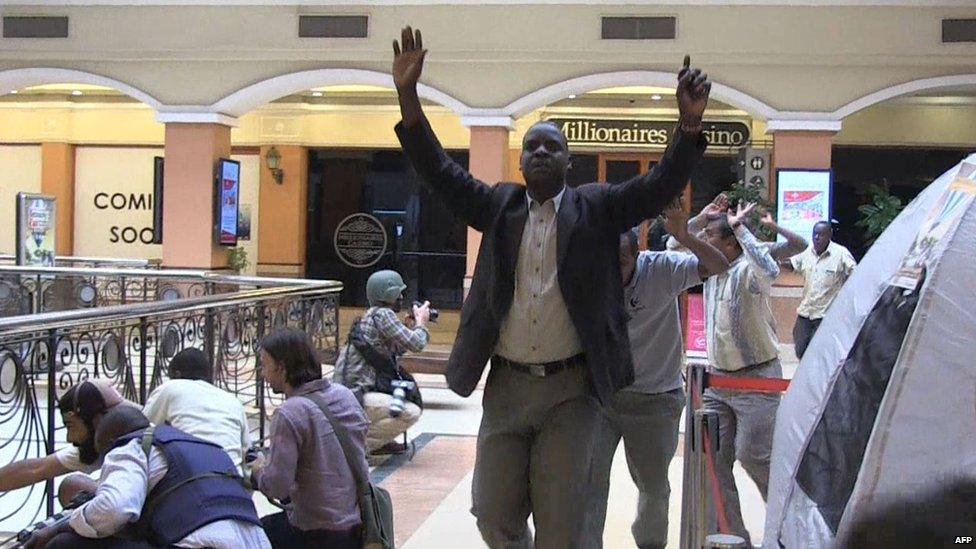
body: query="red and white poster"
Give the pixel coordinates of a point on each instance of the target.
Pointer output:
(803, 198)
(695, 343)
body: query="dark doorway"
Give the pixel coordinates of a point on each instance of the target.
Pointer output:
(426, 243)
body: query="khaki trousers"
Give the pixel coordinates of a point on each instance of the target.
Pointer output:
(534, 449)
(384, 428)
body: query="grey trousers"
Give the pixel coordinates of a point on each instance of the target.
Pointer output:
(648, 423)
(533, 457)
(746, 421)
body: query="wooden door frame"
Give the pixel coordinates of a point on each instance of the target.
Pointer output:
(645, 158)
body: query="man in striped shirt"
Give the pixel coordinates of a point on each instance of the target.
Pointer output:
(741, 339)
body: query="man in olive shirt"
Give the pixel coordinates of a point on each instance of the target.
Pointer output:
(545, 306)
(825, 267)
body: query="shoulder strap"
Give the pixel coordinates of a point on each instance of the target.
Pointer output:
(361, 476)
(147, 439)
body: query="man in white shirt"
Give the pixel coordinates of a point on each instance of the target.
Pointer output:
(189, 402)
(82, 406)
(825, 267)
(215, 509)
(646, 414)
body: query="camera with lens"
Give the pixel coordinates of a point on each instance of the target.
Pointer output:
(433, 312)
(56, 520)
(253, 452)
(401, 388)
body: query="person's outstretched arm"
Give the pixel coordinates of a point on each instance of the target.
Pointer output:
(646, 195)
(467, 197)
(782, 251)
(30, 471)
(758, 256)
(710, 260)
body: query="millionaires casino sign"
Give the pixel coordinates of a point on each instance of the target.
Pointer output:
(645, 133)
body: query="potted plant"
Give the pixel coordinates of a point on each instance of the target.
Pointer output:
(237, 259)
(882, 209)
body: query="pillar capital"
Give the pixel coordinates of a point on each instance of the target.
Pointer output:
(479, 121)
(193, 116)
(802, 125)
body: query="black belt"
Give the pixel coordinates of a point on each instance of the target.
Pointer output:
(540, 370)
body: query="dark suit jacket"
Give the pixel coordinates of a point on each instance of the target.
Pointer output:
(590, 220)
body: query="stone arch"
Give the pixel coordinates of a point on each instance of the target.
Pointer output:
(15, 79)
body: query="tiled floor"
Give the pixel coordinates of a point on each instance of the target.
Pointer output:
(432, 493)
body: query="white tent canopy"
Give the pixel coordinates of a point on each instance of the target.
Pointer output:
(849, 438)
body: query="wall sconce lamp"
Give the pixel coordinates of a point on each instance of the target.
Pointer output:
(273, 159)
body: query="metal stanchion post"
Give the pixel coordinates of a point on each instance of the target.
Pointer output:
(690, 500)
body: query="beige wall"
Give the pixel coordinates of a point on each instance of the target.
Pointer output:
(127, 171)
(908, 124)
(250, 177)
(130, 171)
(793, 58)
(131, 124)
(20, 171)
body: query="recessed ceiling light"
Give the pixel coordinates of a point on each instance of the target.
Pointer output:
(656, 97)
(316, 94)
(572, 96)
(76, 92)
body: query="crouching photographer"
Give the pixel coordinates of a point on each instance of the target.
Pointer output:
(368, 362)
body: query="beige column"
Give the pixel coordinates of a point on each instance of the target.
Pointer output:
(800, 149)
(487, 161)
(58, 180)
(192, 151)
(283, 213)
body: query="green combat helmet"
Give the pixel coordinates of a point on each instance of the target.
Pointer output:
(384, 287)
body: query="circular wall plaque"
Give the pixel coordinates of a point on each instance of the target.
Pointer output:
(360, 240)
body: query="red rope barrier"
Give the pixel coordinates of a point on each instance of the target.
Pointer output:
(718, 381)
(759, 384)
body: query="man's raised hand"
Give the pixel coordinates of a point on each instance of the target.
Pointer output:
(676, 220)
(692, 95)
(408, 61)
(742, 210)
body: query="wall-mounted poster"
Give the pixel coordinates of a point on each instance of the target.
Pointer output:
(802, 198)
(228, 196)
(35, 230)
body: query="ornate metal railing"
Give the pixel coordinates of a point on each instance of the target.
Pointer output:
(81, 261)
(27, 290)
(41, 355)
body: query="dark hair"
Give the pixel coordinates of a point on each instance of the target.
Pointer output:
(294, 350)
(191, 364)
(823, 222)
(552, 124)
(724, 229)
(631, 236)
(85, 400)
(120, 420)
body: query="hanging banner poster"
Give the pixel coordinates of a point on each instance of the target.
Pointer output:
(35, 230)
(941, 219)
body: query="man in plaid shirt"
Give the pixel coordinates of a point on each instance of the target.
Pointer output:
(380, 328)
